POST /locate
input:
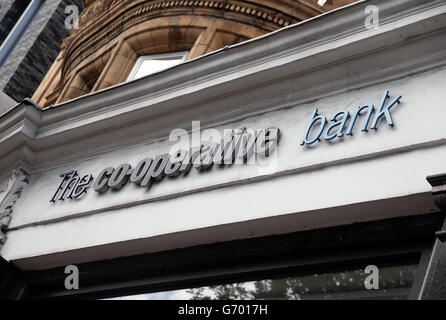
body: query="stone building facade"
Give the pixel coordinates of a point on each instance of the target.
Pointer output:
(113, 34)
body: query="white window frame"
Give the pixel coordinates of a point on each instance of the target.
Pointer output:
(163, 56)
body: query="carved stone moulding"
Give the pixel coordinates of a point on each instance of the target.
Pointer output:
(104, 45)
(126, 14)
(10, 191)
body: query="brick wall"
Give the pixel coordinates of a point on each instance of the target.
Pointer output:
(34, 54)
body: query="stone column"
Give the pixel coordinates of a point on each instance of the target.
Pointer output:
(434, 284)
(12, 284)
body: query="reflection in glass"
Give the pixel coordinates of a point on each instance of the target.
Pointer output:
(394, 283)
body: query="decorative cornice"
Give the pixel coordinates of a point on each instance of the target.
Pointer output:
(10, 192)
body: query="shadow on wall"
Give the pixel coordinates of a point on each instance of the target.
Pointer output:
(6, 103)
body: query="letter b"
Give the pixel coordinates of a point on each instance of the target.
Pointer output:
(314, 119)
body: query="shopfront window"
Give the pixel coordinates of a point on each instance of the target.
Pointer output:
(394, 284)
(149, 64)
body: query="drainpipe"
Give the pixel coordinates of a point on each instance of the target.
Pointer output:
(18, 30)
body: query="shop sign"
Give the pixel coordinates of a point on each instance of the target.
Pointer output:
(318, 127)
(236, 147)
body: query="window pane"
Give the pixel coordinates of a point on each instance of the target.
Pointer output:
(394, 283)
(151, 66)
(146, 65)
